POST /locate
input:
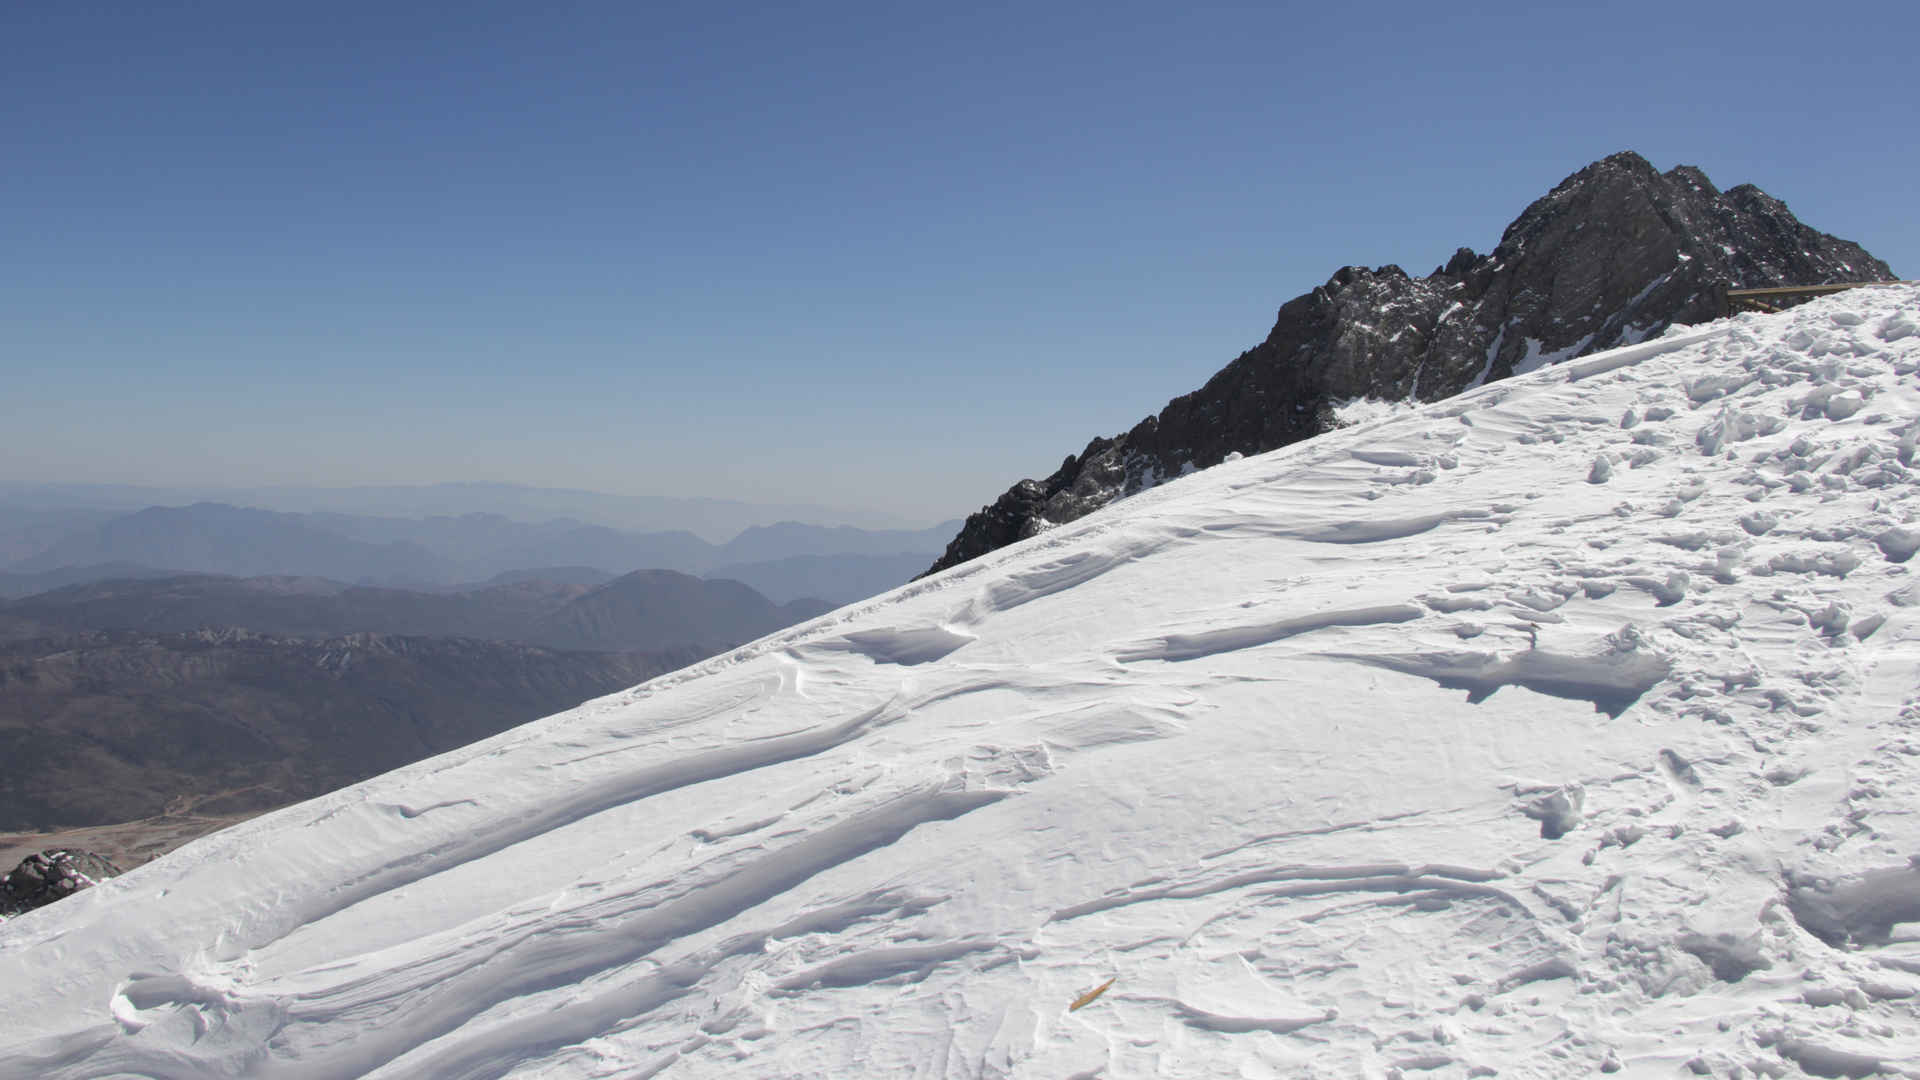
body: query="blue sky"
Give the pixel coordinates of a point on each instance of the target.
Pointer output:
(879, 255)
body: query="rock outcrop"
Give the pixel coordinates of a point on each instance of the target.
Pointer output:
(1618, 252)
(53, 874)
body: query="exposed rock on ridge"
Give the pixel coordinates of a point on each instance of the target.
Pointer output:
(53, 874)
(1615, 254)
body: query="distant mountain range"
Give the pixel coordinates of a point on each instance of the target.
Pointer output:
(111, 726)
(713, 519)
(834, 578)
(182, 663)
(837, 564)
(25, 531)
(218, 539)
(644, 610)
(218, 695)
(1614, 254)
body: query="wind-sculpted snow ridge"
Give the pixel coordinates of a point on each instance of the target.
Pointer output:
(1568, 726)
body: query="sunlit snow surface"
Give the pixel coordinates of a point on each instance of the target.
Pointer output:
(1566, 724)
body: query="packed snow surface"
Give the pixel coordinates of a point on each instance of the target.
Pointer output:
(1567, 725)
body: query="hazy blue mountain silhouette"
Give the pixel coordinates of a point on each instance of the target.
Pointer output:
(214, 538)
(646, 610)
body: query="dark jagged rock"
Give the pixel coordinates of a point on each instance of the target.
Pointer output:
(1615, 254)
(50, 875)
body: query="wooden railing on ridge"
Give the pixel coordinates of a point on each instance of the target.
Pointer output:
(1734, 301)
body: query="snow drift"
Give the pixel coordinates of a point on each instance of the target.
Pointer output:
(1569, 724)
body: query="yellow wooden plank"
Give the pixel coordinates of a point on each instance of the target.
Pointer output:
(1790, 290)
(1088, 998)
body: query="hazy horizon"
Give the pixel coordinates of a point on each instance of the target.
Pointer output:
(714, 519)
(848, 256)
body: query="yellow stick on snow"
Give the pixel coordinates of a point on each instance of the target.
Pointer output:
(1087, 998)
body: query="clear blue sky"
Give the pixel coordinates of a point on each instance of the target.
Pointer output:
(884, 255)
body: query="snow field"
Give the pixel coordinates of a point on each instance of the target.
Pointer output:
(1568, 725)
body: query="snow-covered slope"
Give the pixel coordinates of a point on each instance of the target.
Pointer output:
(1567, 725)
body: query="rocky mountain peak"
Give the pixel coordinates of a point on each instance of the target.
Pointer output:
(1615, 253)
